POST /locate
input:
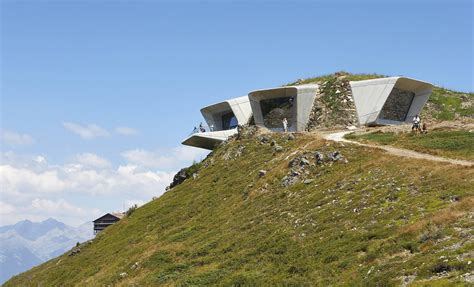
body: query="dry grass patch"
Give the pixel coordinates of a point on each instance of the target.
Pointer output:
(443, 217)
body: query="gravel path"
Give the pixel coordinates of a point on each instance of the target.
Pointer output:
(339, 137)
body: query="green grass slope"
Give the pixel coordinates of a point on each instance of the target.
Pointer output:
(452, 143)
(373, 220)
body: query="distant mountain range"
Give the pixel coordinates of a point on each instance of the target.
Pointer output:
(27, 244)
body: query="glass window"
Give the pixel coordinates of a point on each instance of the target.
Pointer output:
(229, 121)
(397, 105)
(275, 110)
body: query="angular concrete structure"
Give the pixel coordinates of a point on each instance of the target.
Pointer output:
(388, 101)
(384, 101)
(294, 103)
(222, 119)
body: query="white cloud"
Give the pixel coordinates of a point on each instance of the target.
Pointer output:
(15, 139)
(126, 131)
(91, 131)
(39, 159)
(91, 160)
(6, 208)
(39, 209)
(104, 187)
(33, 188)
(15, 181)
(174, 159)
(145, 158)
(95, 178)
(56, 207)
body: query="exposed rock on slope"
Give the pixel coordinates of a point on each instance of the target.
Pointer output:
(334, 106)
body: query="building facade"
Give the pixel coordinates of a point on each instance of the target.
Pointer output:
(106, 220)
(222, 120)
(384, 101)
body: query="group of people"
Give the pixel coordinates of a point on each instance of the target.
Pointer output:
(418, 126)
(202, 129)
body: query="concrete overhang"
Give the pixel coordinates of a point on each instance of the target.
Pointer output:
(370, 97)
(208, 140)
(240, 107)
(303, 96)
(214, 116)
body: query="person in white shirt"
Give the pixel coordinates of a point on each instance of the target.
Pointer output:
(416, 123)
(285, 125)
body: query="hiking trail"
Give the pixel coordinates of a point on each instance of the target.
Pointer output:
(339, 137)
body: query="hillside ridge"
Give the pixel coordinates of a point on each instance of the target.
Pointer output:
(294, 209)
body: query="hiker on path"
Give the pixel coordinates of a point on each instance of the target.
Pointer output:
(285, 125)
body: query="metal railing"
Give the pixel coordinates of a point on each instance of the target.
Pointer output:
(204, 128)
(201, 128)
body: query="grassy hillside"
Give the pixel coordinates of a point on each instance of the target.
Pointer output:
(446, 104)
(341, 74)
(443, 142)
(363, 219)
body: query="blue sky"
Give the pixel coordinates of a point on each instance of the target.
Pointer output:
(92, 89)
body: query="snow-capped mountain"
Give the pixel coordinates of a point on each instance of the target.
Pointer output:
(27, 244)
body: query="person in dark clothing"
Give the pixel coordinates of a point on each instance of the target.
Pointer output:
(201, 128)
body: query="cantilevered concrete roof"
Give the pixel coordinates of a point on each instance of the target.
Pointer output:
(239, 107)
(208, 140)
(371, 95)
(304, 96)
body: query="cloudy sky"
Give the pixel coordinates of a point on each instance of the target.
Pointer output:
(96, 96)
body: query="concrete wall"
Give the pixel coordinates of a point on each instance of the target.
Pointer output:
(303, 102)
(212, 114)
(239, 106)
(371, 95)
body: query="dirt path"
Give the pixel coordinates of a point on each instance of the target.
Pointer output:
(339, 137)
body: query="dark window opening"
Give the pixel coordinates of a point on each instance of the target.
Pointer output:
(275, 110)
(229, 121)
(397, 105)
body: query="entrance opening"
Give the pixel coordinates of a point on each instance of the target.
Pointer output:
(274, 110)
(229, 121)
(397, 105)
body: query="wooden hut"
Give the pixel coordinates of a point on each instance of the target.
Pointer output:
(106, 220)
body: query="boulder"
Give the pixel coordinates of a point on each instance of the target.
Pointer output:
(335, 156)
(319, 157)
(278, 148)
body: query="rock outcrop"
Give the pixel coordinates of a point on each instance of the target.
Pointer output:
(334, 105)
